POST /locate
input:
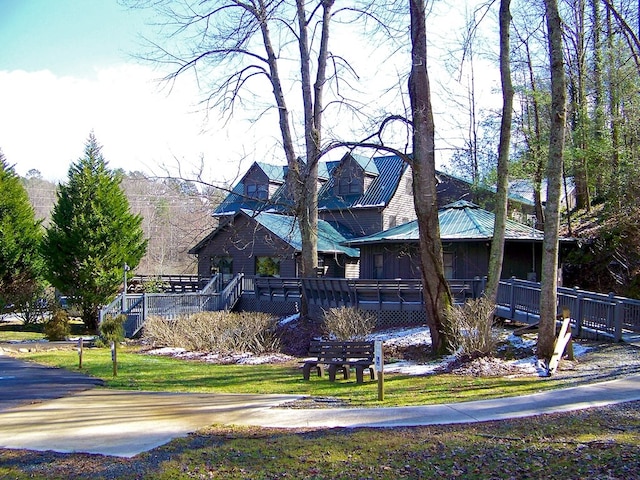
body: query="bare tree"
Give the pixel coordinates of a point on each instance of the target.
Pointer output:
(436, 288)
(549, 280)
(497, 244)
(235, 43)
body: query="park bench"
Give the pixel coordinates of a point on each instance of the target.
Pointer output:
(340, 356)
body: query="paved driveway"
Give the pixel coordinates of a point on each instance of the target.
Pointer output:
(29, 383)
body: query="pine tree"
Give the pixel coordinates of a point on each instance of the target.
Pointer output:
(92, 235)
(20, 236)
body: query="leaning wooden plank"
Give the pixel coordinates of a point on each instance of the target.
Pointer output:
(561, 343)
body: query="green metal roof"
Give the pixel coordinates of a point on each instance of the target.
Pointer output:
(287, 228)
(460, 220)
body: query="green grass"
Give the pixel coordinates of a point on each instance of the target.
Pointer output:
(156, 373)
(592, 444)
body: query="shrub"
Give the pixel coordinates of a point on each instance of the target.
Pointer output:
(112, 329)
(348, 323)
(220, 332)
(470, 327)
(57, 327)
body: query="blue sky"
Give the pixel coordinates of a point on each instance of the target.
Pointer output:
(68, 67)
(67, 37)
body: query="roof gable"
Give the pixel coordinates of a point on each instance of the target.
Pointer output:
(379, 192)
(287, 229)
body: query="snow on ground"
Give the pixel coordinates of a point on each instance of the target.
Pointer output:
(399, 338)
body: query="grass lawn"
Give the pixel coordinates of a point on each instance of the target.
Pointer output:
(591, 444)
(157, 373)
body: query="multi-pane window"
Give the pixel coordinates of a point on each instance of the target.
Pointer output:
(268, 266)
(223, 265)
(258, 191)
(349, 186)
(449, 264)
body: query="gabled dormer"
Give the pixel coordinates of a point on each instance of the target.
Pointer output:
(254, 190)
(353, 175)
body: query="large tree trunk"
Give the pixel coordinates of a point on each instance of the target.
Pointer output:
(436, 289)
(548, 294)
(497, 244)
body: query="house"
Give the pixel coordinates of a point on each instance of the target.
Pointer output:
(466, 231)
(358, 196)
(269, 244)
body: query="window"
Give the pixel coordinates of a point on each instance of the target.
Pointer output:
(349, 186)
(392, 221)
(409, 186)
(268, 266)
(378, 265)
(258, 191)
(449, 264)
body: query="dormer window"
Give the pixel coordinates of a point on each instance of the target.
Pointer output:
(258, 191)
(349, 186)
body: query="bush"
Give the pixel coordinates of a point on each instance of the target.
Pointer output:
(348, 323)
(220, 332)
(57, 327)
(112, 329)
(470, 327)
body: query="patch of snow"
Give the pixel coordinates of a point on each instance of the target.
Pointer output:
(403, 337)
(290, 319)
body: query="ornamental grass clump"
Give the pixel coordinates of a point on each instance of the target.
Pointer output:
(470, 326)
(219, 332)
(348, 323)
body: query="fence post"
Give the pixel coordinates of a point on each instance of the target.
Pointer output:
(144, 307)
(579, 311)
(618, 319)
(512, 297)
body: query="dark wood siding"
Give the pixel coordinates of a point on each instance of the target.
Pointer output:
(470, 259)
(244, 240)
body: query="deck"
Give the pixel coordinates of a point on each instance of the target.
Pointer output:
(592, 314)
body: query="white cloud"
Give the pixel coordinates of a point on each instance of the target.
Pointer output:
(46, 120)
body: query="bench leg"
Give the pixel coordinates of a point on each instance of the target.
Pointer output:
(334, 369)
(360, 373)
(306, 369)
(332, 372)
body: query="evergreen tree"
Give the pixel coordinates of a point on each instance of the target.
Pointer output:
(92, 235)
(20, 236)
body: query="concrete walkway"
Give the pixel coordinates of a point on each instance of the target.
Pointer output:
(126, 423)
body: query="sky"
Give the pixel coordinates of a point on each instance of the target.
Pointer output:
(68, 68)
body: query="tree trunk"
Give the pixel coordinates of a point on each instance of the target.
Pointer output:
(436, 290)
(548, 294)
(497, 244)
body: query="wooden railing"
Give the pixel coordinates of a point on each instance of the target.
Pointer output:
(517, 300)
(605, 314)
(138, 307)
(387, 294)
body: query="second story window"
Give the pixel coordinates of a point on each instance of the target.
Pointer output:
(349, 186)
(258, 191)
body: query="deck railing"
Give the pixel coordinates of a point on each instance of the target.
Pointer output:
(517, 300)
(138, 307)
(607, 314)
